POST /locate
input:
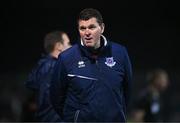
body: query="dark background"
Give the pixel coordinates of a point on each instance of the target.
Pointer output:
(149, 30)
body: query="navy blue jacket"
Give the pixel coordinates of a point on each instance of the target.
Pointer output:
(39, 81)
(85, 88)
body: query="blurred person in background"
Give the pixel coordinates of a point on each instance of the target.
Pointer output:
(148, 107)
(40, 77)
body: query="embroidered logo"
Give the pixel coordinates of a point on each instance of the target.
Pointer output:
(110, 62)
(81, 64)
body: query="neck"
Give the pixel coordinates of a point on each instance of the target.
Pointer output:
(98, 44)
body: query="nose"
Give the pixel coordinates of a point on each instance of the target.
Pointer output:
(87, 32)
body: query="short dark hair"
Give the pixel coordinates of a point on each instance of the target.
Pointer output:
(88, 13)
(51, 39)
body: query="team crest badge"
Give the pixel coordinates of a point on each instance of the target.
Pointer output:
(110, 62)
(81, 64)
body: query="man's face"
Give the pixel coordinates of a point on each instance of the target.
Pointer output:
(162, 81)
(66, 44)
(90, 32)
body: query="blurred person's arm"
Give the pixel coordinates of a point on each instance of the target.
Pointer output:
(128, 77)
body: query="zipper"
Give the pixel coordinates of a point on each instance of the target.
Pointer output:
(97, 65)
(96, 62)
(76, 116)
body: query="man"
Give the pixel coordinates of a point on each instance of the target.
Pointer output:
(91, 80)
(39, 79)
(149, 105)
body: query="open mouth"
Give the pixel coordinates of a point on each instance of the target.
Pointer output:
(88, 38)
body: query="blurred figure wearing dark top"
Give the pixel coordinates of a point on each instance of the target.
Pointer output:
(149, 105)
(40, 77)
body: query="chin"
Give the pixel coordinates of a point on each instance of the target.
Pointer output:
(89, 45)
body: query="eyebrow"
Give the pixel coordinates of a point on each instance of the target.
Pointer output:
(90, 26)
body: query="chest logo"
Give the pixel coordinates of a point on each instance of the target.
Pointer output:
(81, 64)
(110, 62)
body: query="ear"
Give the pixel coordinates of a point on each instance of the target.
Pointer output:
(102, 27)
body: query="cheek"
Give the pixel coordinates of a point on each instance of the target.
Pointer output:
(81, 33)
(97, 34)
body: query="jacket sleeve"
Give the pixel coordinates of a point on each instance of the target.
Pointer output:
(128, 77)
(58, 87)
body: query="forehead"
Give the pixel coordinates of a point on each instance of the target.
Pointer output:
(88, 22)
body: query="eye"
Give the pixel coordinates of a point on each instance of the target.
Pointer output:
(92, 27)
(82, 28)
